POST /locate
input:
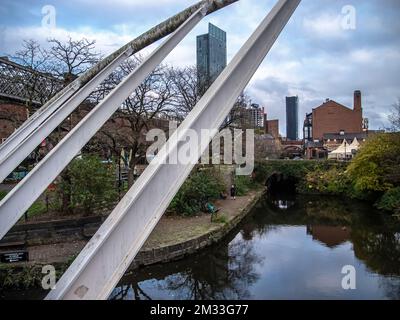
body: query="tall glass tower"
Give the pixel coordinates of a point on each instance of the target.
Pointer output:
(211, 56)
(292, 118)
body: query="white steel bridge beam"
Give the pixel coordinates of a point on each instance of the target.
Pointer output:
(19, 199)
(105, 258)
(33, 131)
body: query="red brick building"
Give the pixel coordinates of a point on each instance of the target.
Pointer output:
(12, 115)
(272, 127)
(332, 117)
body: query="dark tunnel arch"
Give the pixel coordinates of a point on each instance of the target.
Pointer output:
(279, 182)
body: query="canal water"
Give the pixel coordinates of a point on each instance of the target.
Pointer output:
(289, 247)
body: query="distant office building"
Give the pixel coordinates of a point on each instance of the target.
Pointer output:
(211, 56)
(256, 116)
(244, 116)
(292, 117)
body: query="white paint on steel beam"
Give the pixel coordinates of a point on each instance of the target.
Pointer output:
(103, 261)
(19, 199)
(35, 132)
(37, 127)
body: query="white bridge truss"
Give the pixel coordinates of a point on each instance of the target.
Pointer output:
(106, 257)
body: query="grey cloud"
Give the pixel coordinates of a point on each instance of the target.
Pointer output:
(326, 64)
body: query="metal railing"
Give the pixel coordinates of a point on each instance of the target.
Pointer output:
(26, 85)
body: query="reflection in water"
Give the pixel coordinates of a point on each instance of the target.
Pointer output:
(295, 253)
(283, 204)
(283, 200)
(331, 236)
(224, 272)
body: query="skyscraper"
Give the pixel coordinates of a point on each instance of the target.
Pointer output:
(256, 115)
(211, 56)
(292, 118)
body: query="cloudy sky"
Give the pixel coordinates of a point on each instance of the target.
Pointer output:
(319, 55)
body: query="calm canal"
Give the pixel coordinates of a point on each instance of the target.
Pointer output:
(291, 247)
(287, 248)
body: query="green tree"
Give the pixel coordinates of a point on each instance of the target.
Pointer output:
(244, 184)
(390, 201)
(376, 168)
(91, 183)
(332, 181)
(200, 187)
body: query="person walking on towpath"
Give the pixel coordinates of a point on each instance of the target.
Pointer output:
(233, 192)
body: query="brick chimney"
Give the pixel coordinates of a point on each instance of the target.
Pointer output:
(357, 100)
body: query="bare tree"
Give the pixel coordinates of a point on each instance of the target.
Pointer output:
(69, 60)
(44, 68)
(32, 55)
(73, 57)
(42, 74)
(185, 85)
(394, 117)
(36, 82)
(239, 117)
(148, 106)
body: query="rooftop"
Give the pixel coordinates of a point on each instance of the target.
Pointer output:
(351, 136)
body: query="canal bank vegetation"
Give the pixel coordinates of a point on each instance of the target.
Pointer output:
(244, 184)
(375, 172)
(86, 183)
(199, 188)
(37, 208)
(206, 184)
(373, 175)
(28, 276)
(87, 186)
(25, 277)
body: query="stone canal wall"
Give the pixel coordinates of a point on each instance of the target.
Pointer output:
(38, 233)
(45, 240)
(177, 251)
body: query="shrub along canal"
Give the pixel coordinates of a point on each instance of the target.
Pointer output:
(289, 247)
